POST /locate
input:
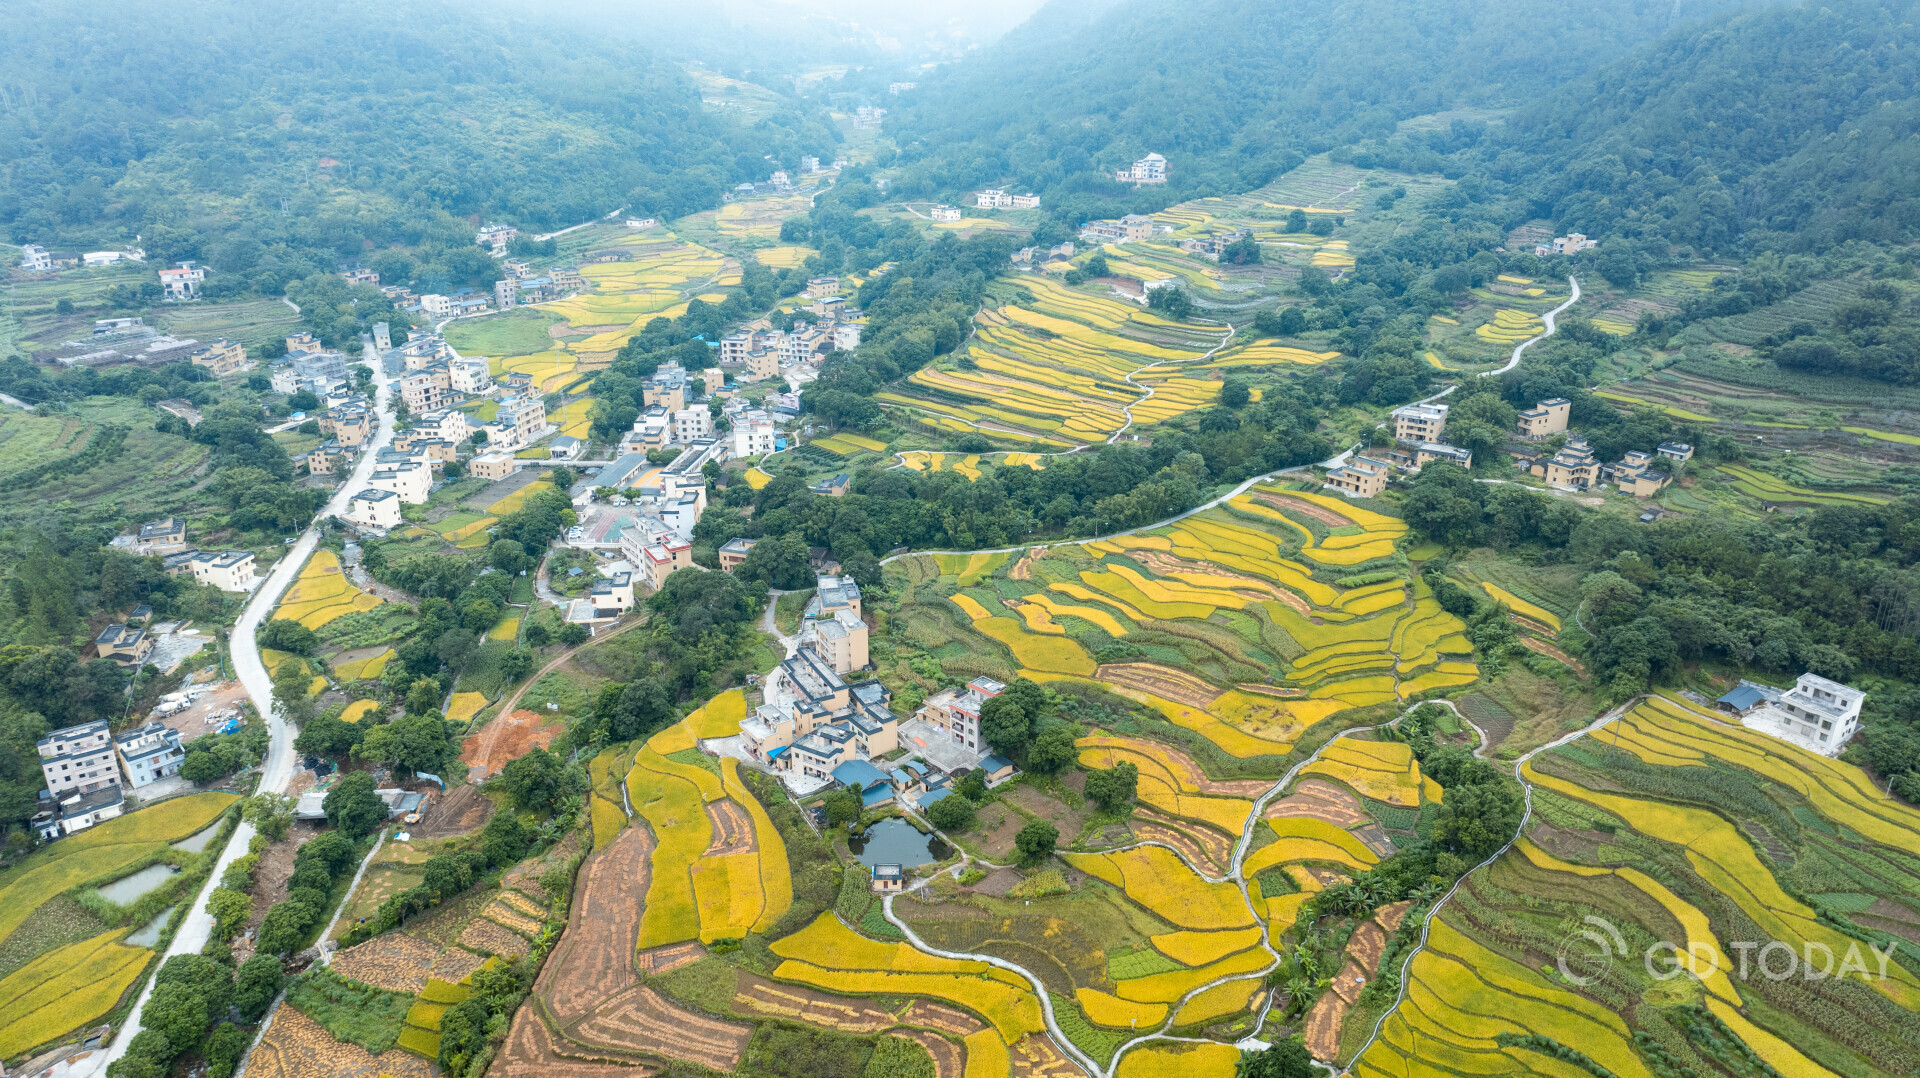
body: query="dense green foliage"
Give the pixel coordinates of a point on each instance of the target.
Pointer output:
(369, 124)
(1081, 90)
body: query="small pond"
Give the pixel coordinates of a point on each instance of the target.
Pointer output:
(896, 842)
(196, 843)
(150, 935)
(125, 890)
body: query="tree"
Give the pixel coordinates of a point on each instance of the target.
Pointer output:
(1052, 750)
(178, 1013)
(537, 781)
(537, 636)
(1036, 841)
(270, 814)
(224, 1049)
(951, 813)
(423, 697)
(290, 690)
(230, 910)
(1234, 393)
(1172, 300)
(572, 634)
(505, 839)
(1005, 723)
(509, 556)
(353, 807)
(259, 980)
(1241, 252)
(414, 742)
(1475, 821)
(843, 806)
(1287, 1059)
(201, 767)
(780, 561)
(516, 664)
(282, 634)
(633, 710)
(1114, 786)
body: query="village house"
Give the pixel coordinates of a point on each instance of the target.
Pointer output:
(1677, 452)
(375, 508)
(1149, 169)
(163, 536)
(493, 466)
(752, 434)
(957, 711)
(945, 213)
(124, 645)
(733, 552)
(36, 259)
(846, 336)
(833, 594)
(993, 198)
(222, 357)
(840, 639)
(1360, 477)
(612, 596)
(520, 422)
(149, 753)
(78, 759)
(183, 281)
(818, 287)
(1569, 244)
(1570, 468)
(1634, 475)
(228, 570)
(1420, 422)
(496, 238)
(1545, 419)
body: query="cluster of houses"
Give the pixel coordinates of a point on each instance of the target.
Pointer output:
(1816, 714)
(1570, 244)
(1419, 432)
(1127, 229)
(997, 198)
(762, 352)
(87, 770)
(130, 340)
(1214, 244)
(228, 570)
(818, 730)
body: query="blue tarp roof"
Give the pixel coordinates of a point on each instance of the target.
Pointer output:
(776, 753)
(859, 773)
(1743, 697)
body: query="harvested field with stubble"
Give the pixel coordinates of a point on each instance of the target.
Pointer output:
(641, 1020)
(846, 1014)
(1318, 799)
(296, 1046)
(530, 1052)
(394, 961)
(488, 936)
(594, 959)
(1364, 949)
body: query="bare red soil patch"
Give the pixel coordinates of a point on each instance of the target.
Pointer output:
(506, 738)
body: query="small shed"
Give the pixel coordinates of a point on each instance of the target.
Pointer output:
(888, 879)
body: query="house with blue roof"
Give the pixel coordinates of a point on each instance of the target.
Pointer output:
(1746, 697)
(874, 786)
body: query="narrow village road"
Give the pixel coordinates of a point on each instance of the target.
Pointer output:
(1548, 318)
(281, 760)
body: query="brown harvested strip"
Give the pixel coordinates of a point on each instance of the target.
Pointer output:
(483, 935)
(1364, 948)
(1035, 1055)
(1191, 773)
(505, 914)
(949, 1059)
(732, 833)
(641, 1020)
(941, 1017)
(395, 962)
(524, 904)
(1167, 565)
(1374, 837)
(1534, 643)
(667, 959)
(455, 964)
(1319, 799)
(594, 959)
(530, 1052)
(1306, 509)
(1214, 846)
(757, 996)
(1162, 681)
(298, 1047)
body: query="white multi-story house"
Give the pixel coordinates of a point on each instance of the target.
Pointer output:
(1149, 169)
(846, 336)
(436, 305)
(410, 480)
(496, 238)
(78, 759)
(149, 753)
(470, 376)
(35, 259)
(752, 434)
(183, 281)
(447, 425)
(945, 213)
(957, 711)
(993, 198)
(521, 421)
(692, 424)
(375, 508)
(228, 570)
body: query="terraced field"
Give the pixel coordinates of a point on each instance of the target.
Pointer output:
(1051, 368)
(323, 593)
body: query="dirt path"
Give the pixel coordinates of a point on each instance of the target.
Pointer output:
(513, 701)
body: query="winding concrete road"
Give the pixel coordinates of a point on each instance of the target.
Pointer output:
(277, 768)
(1548, 318)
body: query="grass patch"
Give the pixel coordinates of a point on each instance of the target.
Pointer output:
(788, 608)
(353, 1012)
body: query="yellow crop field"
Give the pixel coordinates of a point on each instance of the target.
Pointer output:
(508, 629)
(1124, 587)
(368, 669)
(65, 989)
(1170, 986)
(1382, 770)
(465, 705)
(1014, 1013)
(1158, 879)
(775, 884)
(1202, 948)
(608, 819)
(1116, 1013)
(1522, 607)
(1164, 784)
(1511, 327)
(572, 418)
(1218, 1002)
(757, 479)
(102, 851)
(783, 257)
(322, 593)
(1204, 1060)
(358, 710)
(1038, 619)
(971, 569)
(512, 503)
(1103, 619)
(674, 808)
(971, 605)
(726, 887)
